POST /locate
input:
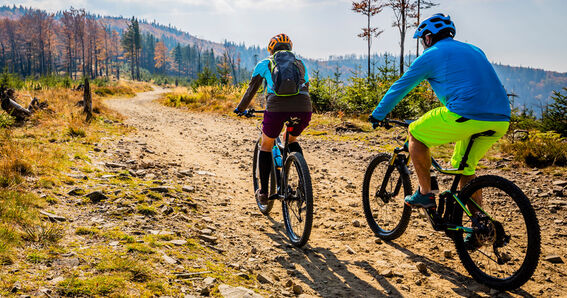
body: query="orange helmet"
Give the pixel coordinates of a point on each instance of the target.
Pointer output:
(280, 39)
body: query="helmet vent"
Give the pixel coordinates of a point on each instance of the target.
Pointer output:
(438, 25)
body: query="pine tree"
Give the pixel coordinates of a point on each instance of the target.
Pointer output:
(554, 116)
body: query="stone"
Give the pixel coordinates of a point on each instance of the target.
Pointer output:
(237, 292)
(554, 259)
(76, 192)
(378, 241)
(421, 267)
(188, 188)
(114, 243)
(52, 217)
(178, 242)
(448, 254)
(350, 250)
(206, 231)
(387, 273)
(207, 238)
(206, 173)
(297, 289)
(263, 279)
(356, 223)
(562, 183)
(114, 165)
(161, 189)
(96, 196)
(166, 209)
(169, 259)
(209, 281)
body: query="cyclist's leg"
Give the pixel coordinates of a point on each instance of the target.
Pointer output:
(271, 128)
(478, 150)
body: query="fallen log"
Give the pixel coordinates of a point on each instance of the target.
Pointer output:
(11, 106)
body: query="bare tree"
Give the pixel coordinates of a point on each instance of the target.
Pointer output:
(368, 8)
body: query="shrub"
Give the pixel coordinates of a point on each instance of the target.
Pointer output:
(540, 149)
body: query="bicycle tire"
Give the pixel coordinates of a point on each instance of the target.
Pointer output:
(493, 200)
(383, 160)
(265, 209)
(302, 196)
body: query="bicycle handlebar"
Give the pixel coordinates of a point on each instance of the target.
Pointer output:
(396, 122)
(250, 113)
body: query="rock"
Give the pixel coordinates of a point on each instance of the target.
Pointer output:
(206, 173)
(207, 238)
(114, 165)
(161, 189)
(96, 196)
(169, 259)
(297, 289)
(243, 275)
(263, 279)
(166, 209)
(178, 242)
(209, 281)
(356, 223)
(387, 273)
(237, 292)
(378, 241)
(187, 188)
(76, 192)
(150, 176)
(448, 254)
(205, 291)
(421, 267)
(114, 243)
(555, 259)
(52, 216)
(206, 232)
(16, 287)
(350, 250)
(562, 183)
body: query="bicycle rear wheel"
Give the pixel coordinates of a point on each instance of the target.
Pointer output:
(297, 205)
(507, 245)
(386, 213)
(265, 209)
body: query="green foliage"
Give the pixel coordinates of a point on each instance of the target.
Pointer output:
(94, 286)
(554, 117)
(6, 120)
(540, 149)
(205, 78)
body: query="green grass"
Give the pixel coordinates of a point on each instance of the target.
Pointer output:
(146, 210)
(88, 231)
(139, 247)
(101, 285)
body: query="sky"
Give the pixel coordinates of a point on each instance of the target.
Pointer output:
(531, 33)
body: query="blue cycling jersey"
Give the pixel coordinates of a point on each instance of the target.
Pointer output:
(263, 69)
(461, 76)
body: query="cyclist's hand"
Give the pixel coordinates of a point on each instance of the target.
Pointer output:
(377, 123)
(238, 112)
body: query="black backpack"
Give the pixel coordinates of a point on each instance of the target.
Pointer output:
(288, 73)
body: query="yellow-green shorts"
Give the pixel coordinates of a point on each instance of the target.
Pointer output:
(440, 126)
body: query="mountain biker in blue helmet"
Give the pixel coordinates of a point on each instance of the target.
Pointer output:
(473, 99)
(280, 104)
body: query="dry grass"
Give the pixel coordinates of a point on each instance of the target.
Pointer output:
(218, 99)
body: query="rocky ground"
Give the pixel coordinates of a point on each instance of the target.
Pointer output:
(208, 158)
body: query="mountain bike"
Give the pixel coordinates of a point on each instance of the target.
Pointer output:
(290, 182)
(504, 251)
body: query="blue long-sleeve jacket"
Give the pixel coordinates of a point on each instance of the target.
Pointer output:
(461, 76)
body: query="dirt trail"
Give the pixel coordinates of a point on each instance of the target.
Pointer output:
(342, 257)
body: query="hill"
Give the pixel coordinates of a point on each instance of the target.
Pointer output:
(533, 87)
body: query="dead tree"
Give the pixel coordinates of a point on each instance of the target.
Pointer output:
(88, 101)
(11, 106)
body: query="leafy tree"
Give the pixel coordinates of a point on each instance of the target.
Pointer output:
(554, 116)
(161, 57)
(368, 8)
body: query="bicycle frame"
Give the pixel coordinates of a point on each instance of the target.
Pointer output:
(441, 217)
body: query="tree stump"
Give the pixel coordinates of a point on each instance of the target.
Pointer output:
(88, 101)
(12, 107)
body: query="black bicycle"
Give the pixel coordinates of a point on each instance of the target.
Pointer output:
(290, 183)
(505, 246)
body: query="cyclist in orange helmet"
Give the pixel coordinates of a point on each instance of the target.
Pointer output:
(287, 96)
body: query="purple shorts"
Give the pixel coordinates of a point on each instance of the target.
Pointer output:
(274, 122)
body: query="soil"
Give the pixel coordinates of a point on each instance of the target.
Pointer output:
(342, 257)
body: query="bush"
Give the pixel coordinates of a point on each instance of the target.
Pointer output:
(6, 120)
(540, 149)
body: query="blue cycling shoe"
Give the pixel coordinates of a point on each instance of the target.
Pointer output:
(419, 200)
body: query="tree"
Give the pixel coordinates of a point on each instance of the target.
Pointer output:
(368, 8)
(161, 57)
(178, 58)
(131, 42)
(224, 68)
(402, 10)
(554, 116)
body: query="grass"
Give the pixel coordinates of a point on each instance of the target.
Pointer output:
(100, 285)
(219, 99)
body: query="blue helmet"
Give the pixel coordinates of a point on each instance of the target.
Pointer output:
(435, 24)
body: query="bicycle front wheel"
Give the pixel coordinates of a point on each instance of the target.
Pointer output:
(383, 192)
(297, 205)
(506, 244)
(265, 209)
